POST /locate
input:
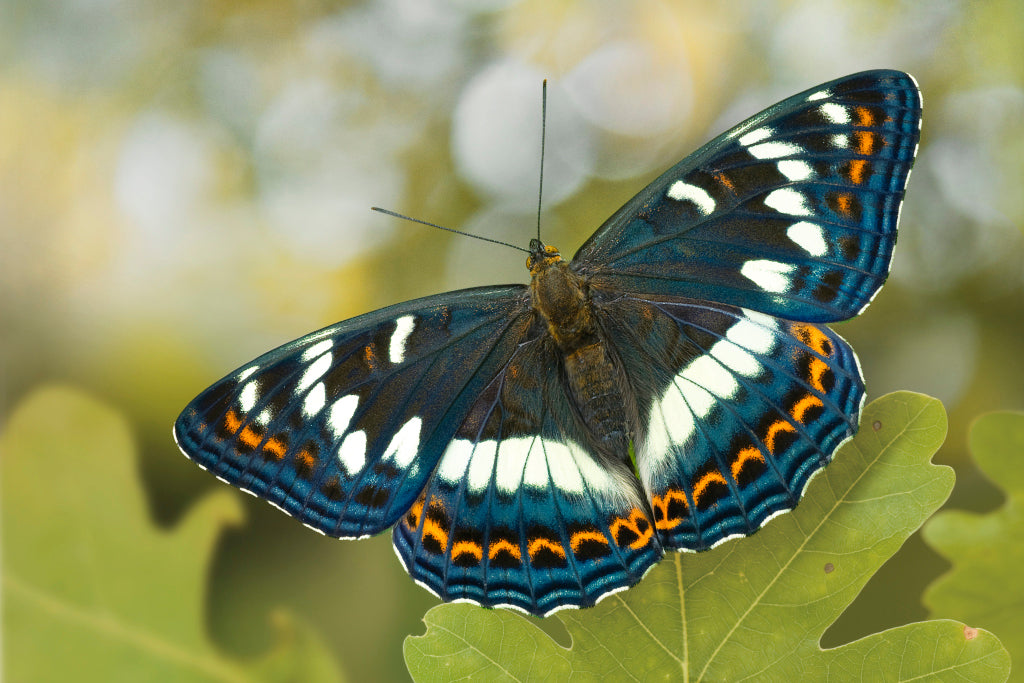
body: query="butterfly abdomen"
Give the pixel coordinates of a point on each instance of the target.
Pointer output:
(595, 382)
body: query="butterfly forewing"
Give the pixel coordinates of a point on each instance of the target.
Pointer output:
(791, 213)
(522, 510)
(342, 428)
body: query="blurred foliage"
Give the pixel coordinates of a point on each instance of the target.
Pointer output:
(93, 591)
(185, 185)
(700, 616)
(987, 550)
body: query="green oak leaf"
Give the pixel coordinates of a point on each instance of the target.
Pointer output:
(92, 589)
(752, 609)
(984, 587)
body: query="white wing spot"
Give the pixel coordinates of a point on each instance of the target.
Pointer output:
(315, 400)
(403, 328)
(352, 454)
(594, 475)
(755, 136)
(244, 374)
(656, 445)
(672, 425)
(836, 113)
(697, 397)
(513, 456)
(250, 394)
(840, 141)
(750, 336)
(761, 319)
(681, 191)
(536, 474)
(736, 358)
(774, 150)
(321, 347)
(820, 95)
(795, 170)
(809, 237)
(708, 373)
(481, 465)
(340, 416)
(560, 467)
(405, 444)
(771, 276)
(789, 201)
(680, 425)
(314, 372)
(455, 461)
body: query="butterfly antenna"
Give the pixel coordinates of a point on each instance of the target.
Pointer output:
(543, 135)
(441, 227)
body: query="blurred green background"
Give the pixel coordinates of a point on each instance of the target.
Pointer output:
(184, 185)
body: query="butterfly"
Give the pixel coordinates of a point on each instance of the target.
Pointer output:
(671, 387)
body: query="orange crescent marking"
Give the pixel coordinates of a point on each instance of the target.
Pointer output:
(819, 340)
(416, 510)
(845, 202)
(276, 447)
(435, 531)
(661, 503)
(773, 430)
(369, 354)
(701, 486)
(467, 548)
(866, 142)
(232, 422)
(803, 405)
(813, 337)
(538, 543)
(724, 180)
(745, 454)
(864, 116)
(817, 370)
(631, 523)
(502, 545)
(250, 437)
(857, 169)
(306, 457)
(580, 536)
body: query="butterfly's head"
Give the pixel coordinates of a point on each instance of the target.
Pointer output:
(541, 256)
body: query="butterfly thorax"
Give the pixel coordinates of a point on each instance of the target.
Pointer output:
(559, 295)
(561, 298)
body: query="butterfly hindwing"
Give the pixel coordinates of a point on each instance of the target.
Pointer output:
(738, 409)
(342, 428)
(522, 511)
(791, 213)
